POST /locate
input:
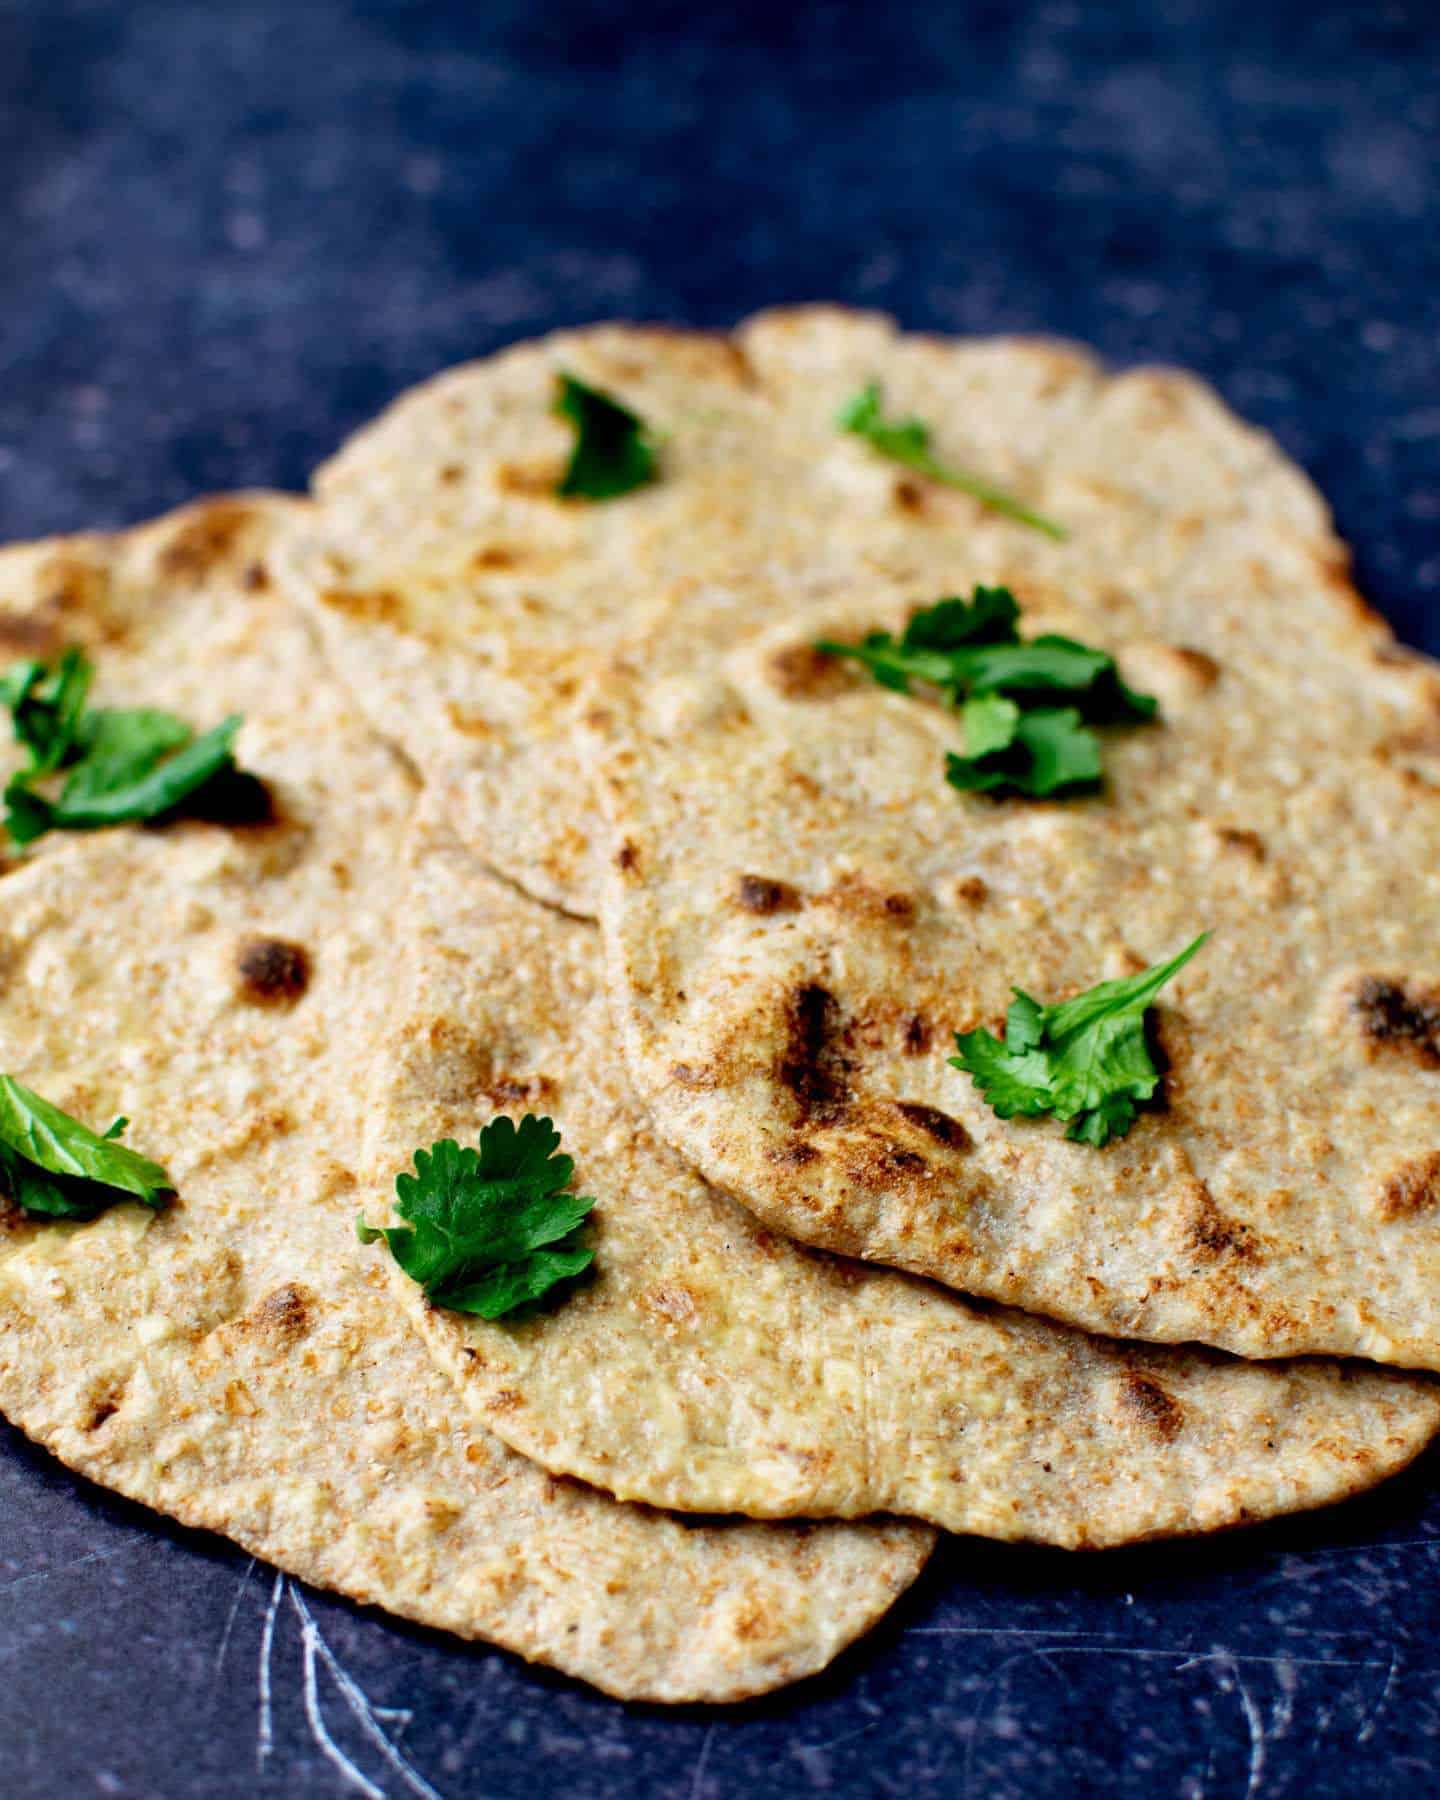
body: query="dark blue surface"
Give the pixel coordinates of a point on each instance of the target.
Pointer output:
(231, 231)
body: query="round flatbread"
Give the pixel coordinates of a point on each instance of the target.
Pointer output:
(236, 1360)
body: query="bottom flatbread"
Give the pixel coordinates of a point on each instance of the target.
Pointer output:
(711, 1366)
(237, 1361)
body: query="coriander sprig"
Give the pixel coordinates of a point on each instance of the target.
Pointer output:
(1084, 1060)
(907, 441)
(52, 1165)
(614, 452)
(492, 1229)
(119, 764)
(1016, 736)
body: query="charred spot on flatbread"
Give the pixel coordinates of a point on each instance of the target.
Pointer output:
(205, 541)
(1398, 1015)
(1411, 1187)
(813, 1063)
(1143, 1399)
(272, 971)
(761, 895)
(282, 1317)
(801, 672)
(934, 1123)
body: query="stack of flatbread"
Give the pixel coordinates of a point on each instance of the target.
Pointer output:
(566, 815)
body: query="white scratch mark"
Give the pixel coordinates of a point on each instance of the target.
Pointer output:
(1056, 1644)
(80, 1562)
(1372, 1718)
(265, 1731)
(355, 1697)
(1254, 1724)
(240, 1588)
(697, 1781)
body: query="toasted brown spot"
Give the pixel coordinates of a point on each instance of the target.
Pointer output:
(934, 1123)
(909, 496)
(239, 1401)
(1247, 843)
(812, 1063)
(494, 556)
(504, 1400)
(256, 578)
(372, 606)
(1209, 1233)
(753, 1620)
(30, 634)
(103, 1407)
(687, 1075)
(1411, 1187)
(530, 479)
(521, 1090)
(759, 894)
(801, 672)
(451, 473)
(627, 858)
(970, 890)
(283, 1316)
(273, 971)
(1144, 1398)
(856, 896)
(918, 1035)
(1202, 669)
(469, 721)
(1399, 1015)
(792, 1156)
(204, 541)
(672, 1304)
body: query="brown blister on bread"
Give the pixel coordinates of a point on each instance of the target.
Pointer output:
(1411, 1187)
(1143, 1398)
(272, 971)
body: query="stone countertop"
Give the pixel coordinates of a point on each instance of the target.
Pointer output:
(232, 232)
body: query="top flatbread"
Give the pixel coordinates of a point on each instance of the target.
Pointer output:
(236, 1360)
(465, 603)
(706, 1364)
(801, 914)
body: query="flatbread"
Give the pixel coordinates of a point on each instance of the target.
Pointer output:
(711, 1366)
(1287, 1200)
(801, 913)
(237, 1361)
(466, 604)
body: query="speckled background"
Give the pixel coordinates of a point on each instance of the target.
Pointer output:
(230, 231)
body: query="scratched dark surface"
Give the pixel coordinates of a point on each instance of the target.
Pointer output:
(230, 232)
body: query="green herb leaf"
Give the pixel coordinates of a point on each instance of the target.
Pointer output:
(970, 650)
(1048, 751)
(907, 441)
(52, 1164)
(121, 765)
(143, 788)
(46, 707)
(613, 451)
(489, 1230)
(1084, 1060)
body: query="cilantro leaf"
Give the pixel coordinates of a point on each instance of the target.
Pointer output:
(120, 765)
(1084, 1060)
(970, 650)
(46, 706)
(1047, 751)
(492, 1229)
(52, 1164)
(613, 451)
(907, 441)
